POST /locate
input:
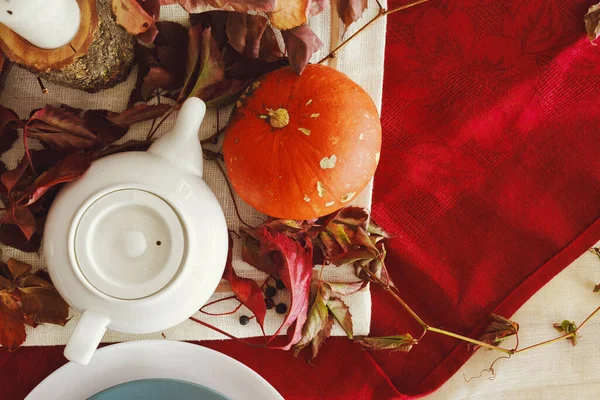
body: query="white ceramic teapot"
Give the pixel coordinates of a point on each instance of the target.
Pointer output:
(139, 243)
(46, 24)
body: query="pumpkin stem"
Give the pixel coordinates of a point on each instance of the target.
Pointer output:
(278, 118)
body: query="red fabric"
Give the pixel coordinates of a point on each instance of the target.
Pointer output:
(489, 178)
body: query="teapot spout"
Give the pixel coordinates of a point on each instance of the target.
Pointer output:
(181, 145)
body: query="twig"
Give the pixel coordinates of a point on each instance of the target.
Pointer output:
(164, 118)
(379, 4)
(468, 339)
(382, 13)
(230, 336)
(235, 206)
(213, 139)
(42, 86)
(566, 336)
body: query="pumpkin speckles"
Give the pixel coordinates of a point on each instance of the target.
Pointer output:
(307, 199)
(328, 162)
(255, 85)
(308, 102)
(305, 131)
(361, 136)
(321, 189)
(329, 204)
(347, 197)
(315, 115)
(377, 155)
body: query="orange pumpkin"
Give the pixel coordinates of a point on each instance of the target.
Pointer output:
(300, 147)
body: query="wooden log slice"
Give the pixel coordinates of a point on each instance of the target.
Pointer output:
(100, 55)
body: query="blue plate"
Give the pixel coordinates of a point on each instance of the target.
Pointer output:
(158, 389)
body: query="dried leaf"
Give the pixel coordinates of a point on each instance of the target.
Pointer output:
(12, 327)
(342, 315)
(592, 22)
(402, 343)
(139, 113)
(242, 6)
(318, 319)
(2, 59)
(295, 270)
(597, 288)
(351, 10)
(61, 129)
(498, 330)
(209, 68)
(131, 15)
(11, 178)
(66, 170)
(23, 218)
(11, 235)
(9, 122)
(246, 290)
(289, 14)
(244, 32)
(301, 42)
(152, 8)
(158, 77)
(567, 327)
(224, 93)
(33, 300)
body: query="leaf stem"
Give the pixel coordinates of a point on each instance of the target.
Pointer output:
(230, 336)
(468, 339)
(566, 336)
(382, 12)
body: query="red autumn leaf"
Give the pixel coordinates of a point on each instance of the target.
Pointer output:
(97, 121)
(21, 217)
(67, 170)
(498, 330)
(61, 129)
(11, 178)
(295, 270)
(152, 8)
(341, 313)
(351, 10)
(403, 343)
(42, 304)
(139, 113)
(9, 122)
(131, 15)
(12, 327)
(301, 42)
(11, 235)
(246, 290)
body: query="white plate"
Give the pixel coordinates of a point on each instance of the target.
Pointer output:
(144, 359)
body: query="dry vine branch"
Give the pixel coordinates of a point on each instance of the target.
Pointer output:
(382, 13)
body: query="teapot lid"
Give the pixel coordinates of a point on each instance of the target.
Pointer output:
(129, 244)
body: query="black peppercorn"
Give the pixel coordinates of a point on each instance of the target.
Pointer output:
(281, 308)
(244, 320)
(270, 291)
(279, 284)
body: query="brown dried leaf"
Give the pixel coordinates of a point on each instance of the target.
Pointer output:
(592, 23)
(9, 122)
(12, 327)
(289, 14)
(139, 113)
(597, 288)
(21, 217)
(498, 330)
(351, 10)
(242, 6)
(317, 320)
(245, 32)
(43, 304)
(61, 129)
(301, 42)
(402, 343)
(131, 15)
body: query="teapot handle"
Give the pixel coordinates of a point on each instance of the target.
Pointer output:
(87, 336)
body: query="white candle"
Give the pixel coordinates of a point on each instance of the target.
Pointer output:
(47, 24)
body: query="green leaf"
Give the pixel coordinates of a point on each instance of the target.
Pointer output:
(317, 319)
(402, 343)
(567, 327)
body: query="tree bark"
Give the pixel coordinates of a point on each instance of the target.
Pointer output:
(100, 56)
